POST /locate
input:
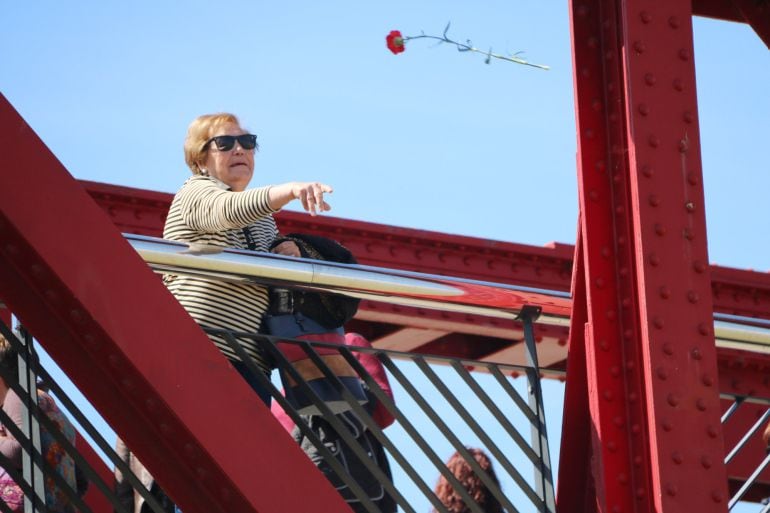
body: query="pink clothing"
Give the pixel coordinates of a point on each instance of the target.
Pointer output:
(373, 366)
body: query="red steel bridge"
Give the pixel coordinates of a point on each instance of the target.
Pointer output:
(646, 380)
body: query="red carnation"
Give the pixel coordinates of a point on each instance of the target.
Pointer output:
(395, 42)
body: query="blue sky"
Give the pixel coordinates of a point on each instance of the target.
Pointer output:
(430, 139)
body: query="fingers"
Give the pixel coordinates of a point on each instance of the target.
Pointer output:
(312, 197)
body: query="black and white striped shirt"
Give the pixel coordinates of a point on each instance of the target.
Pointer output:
(205, 211)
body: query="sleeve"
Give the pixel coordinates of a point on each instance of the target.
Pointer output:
(123, 489)
(9, 446)
(206, 207)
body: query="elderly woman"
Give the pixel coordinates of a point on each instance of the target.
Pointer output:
(214, 207)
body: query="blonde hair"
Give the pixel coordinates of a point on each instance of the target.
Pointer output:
(200, 131)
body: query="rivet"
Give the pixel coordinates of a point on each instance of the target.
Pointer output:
(612, 446)
(683, 146)
(128, 383)
(699, 266)
(705, 462)
(644, 109)
(712, 432)
(693, 297)
(113, 360)
(632, 397)
(689, 206)
(640, 493)
(620, 210)
(684, 54)
(672, 400)
(707, 380)
(616, 509)
(660, 229)
(582, 10)
(11, 249)
(658, 323)
(630, 365)
(614, 118)
(189, 449)
(671, 489)
(667, 426)
(677, 457)
(639, 47)
(622, 478)
(617, 176)
(647, 171)
(593, 196)
(688, 117)
(150, 403)
(653, 141)
(692, 178)
(688, 234)
(165, 428)
(36, 270)
(618, 421)
(225, 494)
(605, 252)
(608, 396)
(673, 22)
(200, 471)
(596, 105)
(585, 73)
(703, 329)
(589, 133)
(701, 404)
(635, 429)
(625, 303)
(592, 42)
(621, 240)
(654, 200)
(637, 461)
(599, 166)
(645, 16)
(614, 371)
(77, 316)
(599, 282)
(609, 55)
(665, 292)
(628, 333)
(649, 79)
(678, 85)
(654, 259)
(611, 314)
(717, 496)
(662, 374)
(603, 345)
(623, 272)
(696, 354)
(668, 348)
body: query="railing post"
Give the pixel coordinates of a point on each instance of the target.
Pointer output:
(543, 473)
(32, 473)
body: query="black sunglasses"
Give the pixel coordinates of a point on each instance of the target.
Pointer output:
(226, 142)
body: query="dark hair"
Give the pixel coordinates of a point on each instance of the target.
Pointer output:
(478, 491)
(9, 361)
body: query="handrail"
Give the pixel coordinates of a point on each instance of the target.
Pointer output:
(395, 286)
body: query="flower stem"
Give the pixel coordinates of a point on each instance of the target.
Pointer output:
(468, 48)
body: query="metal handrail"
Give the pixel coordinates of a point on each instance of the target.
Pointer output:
(400, 287)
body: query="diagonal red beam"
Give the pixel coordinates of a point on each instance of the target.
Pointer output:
(125, 342)
(757, 15)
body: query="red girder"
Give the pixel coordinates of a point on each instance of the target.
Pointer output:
(128, 345)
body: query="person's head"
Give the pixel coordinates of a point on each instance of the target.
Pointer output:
(212, 147)
(472, 483)
(9, 362)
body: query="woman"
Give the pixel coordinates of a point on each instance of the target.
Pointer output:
(213, 207)
(460, 468)
(53, 452)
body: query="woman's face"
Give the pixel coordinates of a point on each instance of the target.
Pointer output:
(235, 167)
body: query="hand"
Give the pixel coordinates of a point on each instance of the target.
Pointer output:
(287, 248)
(766, 436)
(311, 194)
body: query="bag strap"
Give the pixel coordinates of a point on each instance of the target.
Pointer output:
(250, 242)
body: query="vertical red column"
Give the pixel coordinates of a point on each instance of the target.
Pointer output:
(650, 353)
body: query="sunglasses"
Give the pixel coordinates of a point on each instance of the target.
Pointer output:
(226, 142)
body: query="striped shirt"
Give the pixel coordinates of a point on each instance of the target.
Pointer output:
(206, 211)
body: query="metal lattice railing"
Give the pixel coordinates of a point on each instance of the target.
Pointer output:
(746, 417)
(440, 406)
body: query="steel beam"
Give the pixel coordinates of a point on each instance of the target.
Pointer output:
(651, 357)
